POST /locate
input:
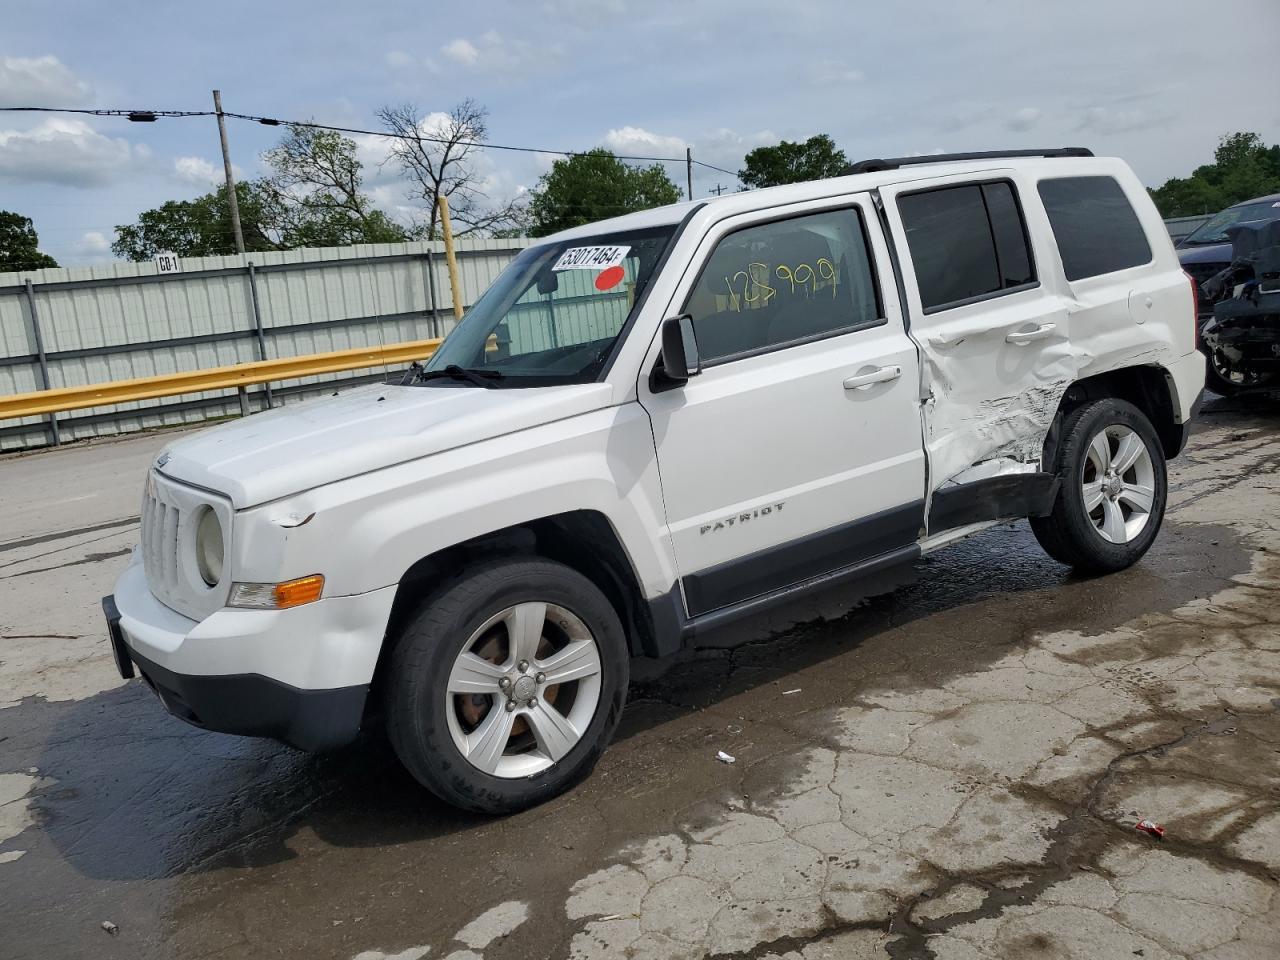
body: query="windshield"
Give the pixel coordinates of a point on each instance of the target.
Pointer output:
(554, 314)
(1214, 230)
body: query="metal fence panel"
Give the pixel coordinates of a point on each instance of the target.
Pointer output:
(125, 320)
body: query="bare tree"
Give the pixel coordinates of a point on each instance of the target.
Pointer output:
(314, 191)
(444, 165)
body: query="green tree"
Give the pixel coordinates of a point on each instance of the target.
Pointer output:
(312, 197)
(1243, 167)
(19, 244)
(816, 158)
(201, 227)
(595, 186)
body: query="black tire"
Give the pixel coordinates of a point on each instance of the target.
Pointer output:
(425, 651)
(1217, 381)
(1068, 534)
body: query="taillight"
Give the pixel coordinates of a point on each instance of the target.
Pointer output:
(1195, 309)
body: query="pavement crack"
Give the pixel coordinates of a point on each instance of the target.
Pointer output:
(42, 636)
(832, 926)
(64, 534)
(87, 558)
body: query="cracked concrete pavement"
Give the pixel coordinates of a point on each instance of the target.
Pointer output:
(952, 769)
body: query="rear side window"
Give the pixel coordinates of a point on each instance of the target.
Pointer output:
(1095, 226)
(967, 243)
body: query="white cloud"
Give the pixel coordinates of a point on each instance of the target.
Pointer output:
(461, 51)
(727, 148)
(962, 115)
(68, 153)
(543, 162)
(1104, 120)
(199, 172)
(585, 13)
(495, 53)
(637, 140)
(833, 73)
(406, 69)
(1023, 119)
(373, 154)
(40, 82)
(93, 243)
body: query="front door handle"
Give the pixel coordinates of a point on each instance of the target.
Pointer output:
(878, 375)
(1027, 336)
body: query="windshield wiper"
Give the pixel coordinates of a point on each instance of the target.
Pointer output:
(481, 378)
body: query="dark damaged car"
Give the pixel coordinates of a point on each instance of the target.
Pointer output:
(1242, 339)
(1206, 251)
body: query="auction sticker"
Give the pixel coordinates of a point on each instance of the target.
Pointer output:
(591, 258)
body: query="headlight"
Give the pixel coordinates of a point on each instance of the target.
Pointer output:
(209, 547)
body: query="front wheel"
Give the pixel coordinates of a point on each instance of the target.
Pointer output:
(1112, 491)
(507, 686)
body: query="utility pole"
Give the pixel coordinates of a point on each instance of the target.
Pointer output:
(232, 200)
(717, 190)
(688, 168)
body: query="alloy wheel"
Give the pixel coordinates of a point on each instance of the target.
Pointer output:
(1118, 480)
(523, 689)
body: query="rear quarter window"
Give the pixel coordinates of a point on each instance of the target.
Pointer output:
(1095, 226)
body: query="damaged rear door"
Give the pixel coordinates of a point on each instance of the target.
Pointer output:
(994, 341)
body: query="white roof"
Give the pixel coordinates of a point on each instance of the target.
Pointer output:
(745, 201)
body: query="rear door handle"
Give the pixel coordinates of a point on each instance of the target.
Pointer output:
(879, 375)
(1027, 336)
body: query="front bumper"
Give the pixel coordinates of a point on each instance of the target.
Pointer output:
(300, 675)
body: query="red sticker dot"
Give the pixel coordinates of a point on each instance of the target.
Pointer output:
(610, 278)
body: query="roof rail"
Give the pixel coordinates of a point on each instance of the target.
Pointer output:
(893, 163)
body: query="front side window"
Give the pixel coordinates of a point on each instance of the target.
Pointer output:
(784, 282)
(966, 242)
(1095, 226)
(555, 313)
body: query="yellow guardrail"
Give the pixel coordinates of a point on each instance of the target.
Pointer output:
(214, 378)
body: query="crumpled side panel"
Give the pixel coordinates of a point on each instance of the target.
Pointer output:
(990, 403)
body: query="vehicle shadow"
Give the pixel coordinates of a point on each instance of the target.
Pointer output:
(134, 794)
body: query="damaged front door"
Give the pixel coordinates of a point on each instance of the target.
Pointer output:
(993, 338)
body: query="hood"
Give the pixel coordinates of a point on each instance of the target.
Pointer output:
(1212, 253)
(284, 451)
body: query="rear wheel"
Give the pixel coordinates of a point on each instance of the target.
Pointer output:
(1112, 491)
(1225, 380)
(507, 686)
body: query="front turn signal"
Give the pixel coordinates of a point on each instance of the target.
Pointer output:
(277, 596)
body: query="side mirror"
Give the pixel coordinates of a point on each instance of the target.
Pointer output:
(680, 359)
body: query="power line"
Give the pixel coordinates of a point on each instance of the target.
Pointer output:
(271, 122)
(148, 116)
(712, 166)
(137, 116)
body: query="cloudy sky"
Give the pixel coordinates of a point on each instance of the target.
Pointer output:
(1153, 81)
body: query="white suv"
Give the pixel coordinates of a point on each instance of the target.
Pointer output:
(656, 424)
